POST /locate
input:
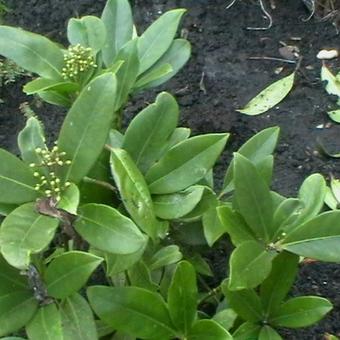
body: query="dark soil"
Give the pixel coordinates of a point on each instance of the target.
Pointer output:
(221, 48)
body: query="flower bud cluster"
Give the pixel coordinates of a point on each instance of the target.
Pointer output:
(45, 172)
(78, 60)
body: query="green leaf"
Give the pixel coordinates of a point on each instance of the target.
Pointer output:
(270, 96)
(277, 285)
(185, 164)
(134, 192)
(87, 125)
(115, 139)
(312, 194)
(118, 21)
(77, 319)
(250, 264)
(208, 330)
(16, 180)
(256, 149)
(156, 40)
(213, 226)
(176, 205)
(32, 52)
(127, 73)
(116, 264)
(70, 199)
(268, 333)
(152, 75)
(30, 138)
(46, 324)
(150, 130)
(318, 238)
(226, 318)
(165, 256)
(200, 264)
(89, 31)
(247, 330)
(140, 276)
(330, 199)
(17, 303)
(333, 85)
(235, 225)
(246, 303)
(286, 214)
(335, 186)
(55, 98)
(25, 232)
(208, 201)
(6, 209)
(108, 230)
(253, 198)
(176, 56)
(334, 115)
(132, 310)
(42, 84)
(182, 297)
(301, 312)
(68, 272)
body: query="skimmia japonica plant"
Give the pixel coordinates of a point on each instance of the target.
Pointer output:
(102, 231)
(109, 44)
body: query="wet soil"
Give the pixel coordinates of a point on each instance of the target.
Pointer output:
(220, 78)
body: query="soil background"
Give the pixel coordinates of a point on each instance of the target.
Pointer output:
(221, 46)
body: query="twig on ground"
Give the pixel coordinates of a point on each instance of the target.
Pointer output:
(266, 13)
(273, 59)
(231, 4)
(202, 86)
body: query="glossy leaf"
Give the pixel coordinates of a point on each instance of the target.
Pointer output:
(6, 209)
(212, 226)
(235, 225)
(176, 205)
(318, 238)
(134, 192)
(165, 256)
(301, 312)
(77, 319)
(256, 149)
(152, 75)
(253, 198)
(16, 180)
(116, 264)
(30, 138)
(46, 324)
(245, 303)
(270, 96)
(70, 199)
(132, 310)
(208, 330)
(311, 194)
(334, 115)
(116, 139)
(250, 264)
(226, 318)
(161, 34)
(176, 56)
(108, 230)
(25, 232)
(185, 164)
(140, 276)
(87, 125)
(32, 52)
(17, 302)
(67, 273)
(55, 98)
(268, 333)
(150, 130)
(89, 31)
(333, 85)
(127, 73)
(43, 84)
(247, 330)
(182, 297)
(277, 285)
(118, 21)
